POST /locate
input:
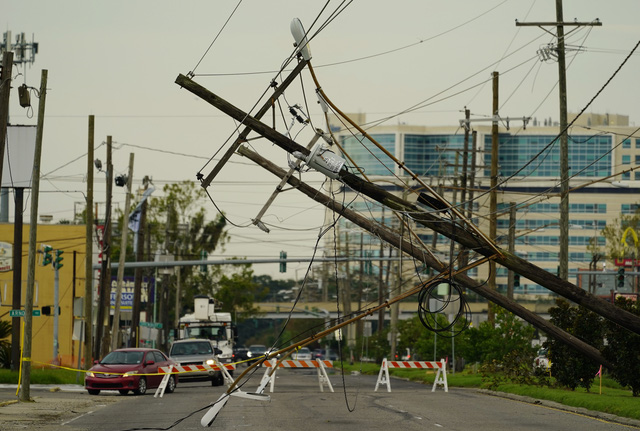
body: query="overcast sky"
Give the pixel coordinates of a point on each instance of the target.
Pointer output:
(118, 60)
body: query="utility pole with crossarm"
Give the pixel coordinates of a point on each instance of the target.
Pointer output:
(559, 53)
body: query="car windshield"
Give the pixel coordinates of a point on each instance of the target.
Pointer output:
(123, 358)
(258, 349)
(191, 348)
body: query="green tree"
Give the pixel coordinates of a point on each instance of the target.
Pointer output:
(614, 232)
(179, 226)
(623, 349)
(5, 345)
(237, 292)
(489, 343)
(569, 367)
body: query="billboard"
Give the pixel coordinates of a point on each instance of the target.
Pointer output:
(126, 298)
(17, 165)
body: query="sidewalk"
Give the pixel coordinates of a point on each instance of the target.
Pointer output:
(51, 406)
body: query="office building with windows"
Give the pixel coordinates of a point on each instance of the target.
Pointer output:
(604, 151)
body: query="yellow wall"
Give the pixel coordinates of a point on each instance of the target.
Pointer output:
(70, 239)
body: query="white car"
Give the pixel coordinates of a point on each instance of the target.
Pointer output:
(302, 354)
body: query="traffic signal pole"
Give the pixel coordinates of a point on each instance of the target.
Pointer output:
(56, 301)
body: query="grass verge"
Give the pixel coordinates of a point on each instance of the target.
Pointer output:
(44, 376)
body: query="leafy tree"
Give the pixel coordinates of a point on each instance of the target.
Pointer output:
(623, 349)
(614, 231)
(178, 226)
(489, 343)
(414, 336)
(5, 345)
(237, 292)
(569, 367)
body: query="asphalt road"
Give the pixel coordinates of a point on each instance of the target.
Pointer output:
(298, 404)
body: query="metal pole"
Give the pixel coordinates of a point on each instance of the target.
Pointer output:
(56, 301)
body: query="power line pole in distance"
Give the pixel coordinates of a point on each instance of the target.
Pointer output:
(559, 53)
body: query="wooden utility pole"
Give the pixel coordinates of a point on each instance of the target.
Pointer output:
(512, 247)
(468, 237)
(88, 274)
(103, 341)
(115, 329)
(137, 283)
(559, 53)
(493, 195)
(25, 374)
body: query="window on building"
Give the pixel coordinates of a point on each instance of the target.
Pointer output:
(626, 159)
(626, 143)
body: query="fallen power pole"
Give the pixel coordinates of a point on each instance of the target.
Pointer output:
(411, 249)
(429, 219)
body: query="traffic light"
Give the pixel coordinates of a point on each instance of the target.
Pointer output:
(46, 258)
(620, 277)
(47, 310)
(283, 261)
(516, 279)
(59, 258)
(203, 256)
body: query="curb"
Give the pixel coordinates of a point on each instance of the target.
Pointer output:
(552, 404)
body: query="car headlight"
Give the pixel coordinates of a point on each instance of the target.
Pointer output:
(249, 354)
(130, 373)
(210, 362)
(90, 374)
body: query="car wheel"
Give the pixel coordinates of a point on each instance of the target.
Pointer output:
(171, 385)
(123, 391)
(93, 391)
(142, 387)
(217, 380)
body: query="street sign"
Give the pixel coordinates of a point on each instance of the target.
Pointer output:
(156, 325)
(21, 313)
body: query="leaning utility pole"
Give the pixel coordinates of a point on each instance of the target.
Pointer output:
(409, 248)
(123, 253)
(25, 374)
(467, 236)
(137, 283)
(102, 342)
(559, 53)
(88, 273)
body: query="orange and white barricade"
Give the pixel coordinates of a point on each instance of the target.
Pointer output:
(177, 369)
(441, 375)
(270, 373)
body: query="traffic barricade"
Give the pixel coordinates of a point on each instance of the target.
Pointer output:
(440, 366)
(319, 365)
(178, 369)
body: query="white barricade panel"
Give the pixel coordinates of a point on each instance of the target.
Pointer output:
(440, 366)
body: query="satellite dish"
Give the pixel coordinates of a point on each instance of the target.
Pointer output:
(300, 36)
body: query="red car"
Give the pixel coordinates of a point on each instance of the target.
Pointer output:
(127, 370)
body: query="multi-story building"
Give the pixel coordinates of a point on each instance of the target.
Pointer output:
(603, 152)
